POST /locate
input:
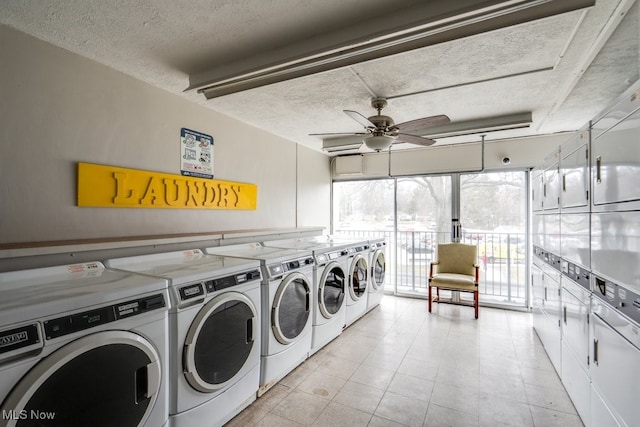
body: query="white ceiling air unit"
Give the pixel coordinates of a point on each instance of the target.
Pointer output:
(348, 165)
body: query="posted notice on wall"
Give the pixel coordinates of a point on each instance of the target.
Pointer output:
(196, 151)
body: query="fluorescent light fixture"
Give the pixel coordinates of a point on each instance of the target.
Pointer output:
(329, 147)
(442, 25)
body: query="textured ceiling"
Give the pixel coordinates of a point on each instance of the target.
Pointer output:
(564, 69)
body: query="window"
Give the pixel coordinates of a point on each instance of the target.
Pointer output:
(424, 220)
(415, 214)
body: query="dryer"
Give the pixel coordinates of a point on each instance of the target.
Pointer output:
(214, 332)
(358, 275)
(81, 345)
(378, 264)
(287, 296)
(329, 285)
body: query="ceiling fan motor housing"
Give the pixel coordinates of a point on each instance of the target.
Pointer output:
(383, 123)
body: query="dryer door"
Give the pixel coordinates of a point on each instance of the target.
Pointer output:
(359, 277)
(290, 309)
(108, 378)
(220, 341)
(331, 290)
(378, 269)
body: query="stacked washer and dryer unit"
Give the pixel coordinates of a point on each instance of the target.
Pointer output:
(585, 281)
(330, 277)
(81, 345)
(214, 325)
(287, 299)
(615, 257)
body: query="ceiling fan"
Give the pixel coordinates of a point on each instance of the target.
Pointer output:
(381, 131)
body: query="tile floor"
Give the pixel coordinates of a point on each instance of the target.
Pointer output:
(401, 366)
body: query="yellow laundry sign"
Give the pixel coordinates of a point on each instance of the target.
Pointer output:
(113, 187)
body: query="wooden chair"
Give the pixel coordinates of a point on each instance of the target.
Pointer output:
(456, 269)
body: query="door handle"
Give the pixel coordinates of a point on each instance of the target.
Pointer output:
(147, 381)
(598, 169)
(250, 330)
(565, 314)
(595, 351)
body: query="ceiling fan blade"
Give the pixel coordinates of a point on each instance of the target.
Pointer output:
(414, 139)
(425, 122)
(338, 134)
(359, 118)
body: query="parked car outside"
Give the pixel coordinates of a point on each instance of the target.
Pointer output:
(501, 251)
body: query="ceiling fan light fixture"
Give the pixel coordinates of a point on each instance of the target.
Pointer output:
(379, 142)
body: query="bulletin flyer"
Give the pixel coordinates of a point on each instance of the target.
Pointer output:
(196, 150)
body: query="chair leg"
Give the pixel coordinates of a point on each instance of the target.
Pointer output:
(429, 299)
(475, 302)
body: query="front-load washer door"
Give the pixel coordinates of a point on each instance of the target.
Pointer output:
(378, 269)
(290, 309)
(359, 277)
(109, 378)
(220, 341)
(331, 289)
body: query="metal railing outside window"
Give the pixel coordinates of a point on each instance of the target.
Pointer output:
(502, 259)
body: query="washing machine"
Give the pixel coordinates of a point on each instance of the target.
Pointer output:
(81, 345)
(329, 285)
(214, 329)
(357, 274)
(287, 296)
(378, 265)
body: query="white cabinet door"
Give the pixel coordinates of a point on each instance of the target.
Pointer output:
(600, 415)
(615, 370)
(576, 381)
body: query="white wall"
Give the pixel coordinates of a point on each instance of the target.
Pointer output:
(59, 108)
(314, 189)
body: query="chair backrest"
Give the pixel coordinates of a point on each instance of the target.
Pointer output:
(457, 258)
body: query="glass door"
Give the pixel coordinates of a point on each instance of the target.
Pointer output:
(331, 290)
(493, 213)
(359, 275)
(291, 308)
(220, 341)
(424, 220)
(378, 269)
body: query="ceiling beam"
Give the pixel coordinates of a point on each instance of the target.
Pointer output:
(439, 27)
(476, 126)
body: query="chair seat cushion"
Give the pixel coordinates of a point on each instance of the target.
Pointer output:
(454, 281)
